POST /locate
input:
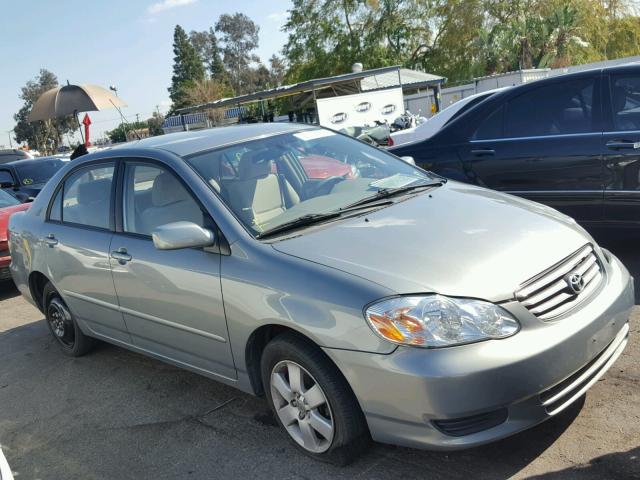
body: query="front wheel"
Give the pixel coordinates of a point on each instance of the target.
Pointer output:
(312, 401)
(62, 325)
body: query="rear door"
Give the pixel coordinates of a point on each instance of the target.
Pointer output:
(544, 144)
(78, 232)
(171, 299)
(621, 148)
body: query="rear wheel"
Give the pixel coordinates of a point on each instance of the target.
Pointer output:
(312, 401)
(62, 325)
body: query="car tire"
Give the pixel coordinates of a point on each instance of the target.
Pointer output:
(348, 436)
(63, 326)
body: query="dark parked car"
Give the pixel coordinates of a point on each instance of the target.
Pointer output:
(13, 154)
(25, 178)
(571, 142)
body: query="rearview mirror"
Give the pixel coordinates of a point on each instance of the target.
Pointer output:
(176, 235)
(408, 160)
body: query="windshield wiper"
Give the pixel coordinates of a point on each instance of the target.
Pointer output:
(300, 222)
(390, 192)
(314, 218)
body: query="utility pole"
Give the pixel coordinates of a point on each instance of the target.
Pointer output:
(10, 141)
(137, 118)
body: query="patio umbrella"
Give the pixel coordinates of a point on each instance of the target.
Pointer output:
(71, 99)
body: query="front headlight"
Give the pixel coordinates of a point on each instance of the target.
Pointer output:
(439, 321)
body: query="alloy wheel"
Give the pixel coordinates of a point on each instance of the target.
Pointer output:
(302, 406)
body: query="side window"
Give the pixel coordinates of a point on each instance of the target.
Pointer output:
(555, 109)
(6, 178)
(56, 207)
(470, 104)
(625, 100)
(86, 197)
(154, 197)
(491, 126)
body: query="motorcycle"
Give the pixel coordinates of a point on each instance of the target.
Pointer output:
(378, 135)
(407, 120)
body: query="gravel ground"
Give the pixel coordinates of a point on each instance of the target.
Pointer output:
(118, 415)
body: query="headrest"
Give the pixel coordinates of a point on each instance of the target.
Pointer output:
(94, 191)
(573, 114)
(255, 164)
(167, 189)
(619, 99)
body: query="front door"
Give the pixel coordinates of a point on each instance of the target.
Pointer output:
(544, 145)
(171, 299)
(621, 149)
(78, 233)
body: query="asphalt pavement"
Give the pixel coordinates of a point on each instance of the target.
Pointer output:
(114, 414)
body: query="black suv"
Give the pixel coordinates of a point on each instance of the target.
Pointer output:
(571, 142)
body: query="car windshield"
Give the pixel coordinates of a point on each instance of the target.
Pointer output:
(280, 179)
(38, 172)
(7, 200)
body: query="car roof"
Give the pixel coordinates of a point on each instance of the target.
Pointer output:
(187, 143)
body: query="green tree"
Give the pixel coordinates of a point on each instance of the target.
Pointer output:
(187, 68)
(277, 71)
(206, 45)
(44, 136)
(155, 124)
(459, 39)
(119, 134)
(239, 39)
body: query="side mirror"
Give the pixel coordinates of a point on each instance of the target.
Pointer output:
(176, 235)
(408, 160)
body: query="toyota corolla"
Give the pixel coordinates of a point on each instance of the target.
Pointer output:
(385, 304)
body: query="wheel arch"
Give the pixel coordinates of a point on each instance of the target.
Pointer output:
(255, 345)
(37, 282)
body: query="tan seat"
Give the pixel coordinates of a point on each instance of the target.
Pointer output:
(170, 202)
(259, 194)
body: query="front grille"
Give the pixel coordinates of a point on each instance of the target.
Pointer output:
(459, 427)
(550, 294)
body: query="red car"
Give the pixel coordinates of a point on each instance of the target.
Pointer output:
(321, 167)
(8, 206)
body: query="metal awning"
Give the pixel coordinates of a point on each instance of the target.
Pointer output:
(348, 83)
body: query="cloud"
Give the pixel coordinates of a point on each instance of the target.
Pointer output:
(168, 5)
(277, 16)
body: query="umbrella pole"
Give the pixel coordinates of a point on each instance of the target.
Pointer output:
(75, 112)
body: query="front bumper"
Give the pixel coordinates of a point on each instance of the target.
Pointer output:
(530, 377)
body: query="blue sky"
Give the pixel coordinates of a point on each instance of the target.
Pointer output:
(127, 43)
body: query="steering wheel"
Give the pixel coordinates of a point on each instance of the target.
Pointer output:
(325, 186)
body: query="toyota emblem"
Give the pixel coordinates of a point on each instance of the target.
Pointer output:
(575, 282)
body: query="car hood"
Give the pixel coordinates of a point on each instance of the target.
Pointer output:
(456, 240)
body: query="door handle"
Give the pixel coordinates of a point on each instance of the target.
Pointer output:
(621, 145)
(483, 152)
(51, 240)
(121, 255)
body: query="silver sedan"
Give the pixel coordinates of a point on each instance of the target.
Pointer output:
(365, 299)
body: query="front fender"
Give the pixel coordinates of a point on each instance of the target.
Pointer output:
(262, 286)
